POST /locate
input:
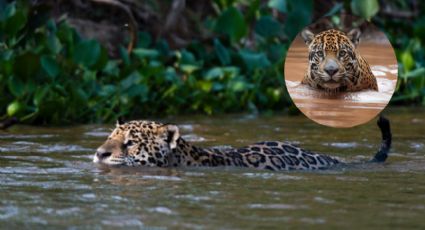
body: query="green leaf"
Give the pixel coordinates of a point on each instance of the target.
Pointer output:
(189, 68)
(26, 65)
(279, 5)
(232, 23)
(6, 55)
(111, 68)
(365, 8)
(239, 85)
(50, 66)
(107, 90)
(407, 60)
(54, 44)
(144, 39)
(16, 87)
(214, 73)
(335, 9)
(124, 55)
(133, 79)
(39, 96)
(419, 72)
(254, 60)
(15, 108)
(267, 26)
(103, 59)
(205, 85)
(299, 16)
(15, 23)
(187, 57)
(87, 53)
(8, 11)
(222, 53)
(145, 53)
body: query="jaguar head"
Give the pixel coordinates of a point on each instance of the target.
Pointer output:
(332, 57)
(138, 143)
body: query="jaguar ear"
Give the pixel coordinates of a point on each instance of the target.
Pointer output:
(354, 36)
(307, 35)
(173, 135)
(120, 121)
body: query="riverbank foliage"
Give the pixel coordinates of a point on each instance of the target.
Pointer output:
(50, 74)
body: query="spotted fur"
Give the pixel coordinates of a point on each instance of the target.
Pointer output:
(335, 65)
(148, 143)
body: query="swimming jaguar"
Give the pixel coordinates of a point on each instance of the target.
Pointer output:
(148, 143)
(335, 64)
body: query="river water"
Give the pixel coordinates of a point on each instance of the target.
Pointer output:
(47, 179)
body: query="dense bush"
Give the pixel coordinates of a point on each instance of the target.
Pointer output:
(49, 74)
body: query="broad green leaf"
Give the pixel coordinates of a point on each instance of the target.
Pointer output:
(187, 57)
(87, 53)
(50, 65)
(365, 8)
(336, 8)
(39, 95)
(231, 71)
(214, 73)
(124, 55)
(145, 53)
(133, 79)
(8, 11)
(137, 90)
(267, 26)
(254, 60)
(189, 68)
(232, 23)
(222, 53)
(205, 85)
(15, 108)
(15, 23)
(6, 55)
(54, 44)
(26, 65)
(419, 72)
(279, 5)
(239, 85)
(144, 39)
(298, 17)
(16, 87)
(102, 60)
(407, 60)
(111, 68)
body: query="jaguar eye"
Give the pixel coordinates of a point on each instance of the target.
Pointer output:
(342, 53)
(319, 53)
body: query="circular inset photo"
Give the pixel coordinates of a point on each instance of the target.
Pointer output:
(341, 71)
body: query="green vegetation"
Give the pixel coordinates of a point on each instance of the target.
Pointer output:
(49, 74)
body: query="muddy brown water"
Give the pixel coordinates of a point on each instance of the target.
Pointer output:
(345, 109)
(47, 179)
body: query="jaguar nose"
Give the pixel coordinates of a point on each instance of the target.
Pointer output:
(331, 67)
(102, 154)
(331, 71)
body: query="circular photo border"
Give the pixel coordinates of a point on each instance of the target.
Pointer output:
(341, 71)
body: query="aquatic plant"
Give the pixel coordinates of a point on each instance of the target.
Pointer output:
(50, 74)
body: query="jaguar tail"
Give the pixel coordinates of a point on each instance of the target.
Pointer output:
(384, 126)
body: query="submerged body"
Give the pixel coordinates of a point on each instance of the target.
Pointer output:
(335, 65)
(147, 143)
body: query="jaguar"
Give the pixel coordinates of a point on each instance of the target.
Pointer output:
(335, 64)
(149, 143)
